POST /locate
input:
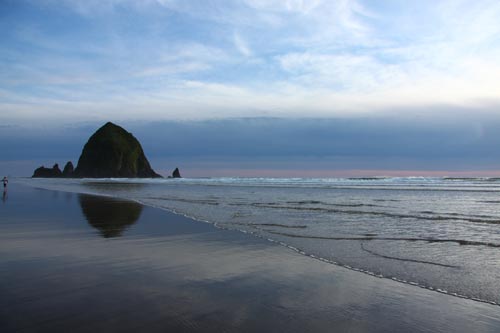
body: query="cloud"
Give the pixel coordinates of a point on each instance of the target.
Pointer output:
(241, 45)
(168, 59)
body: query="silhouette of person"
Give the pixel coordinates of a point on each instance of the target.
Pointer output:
(5, 181)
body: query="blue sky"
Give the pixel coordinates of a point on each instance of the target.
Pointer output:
(70, 65)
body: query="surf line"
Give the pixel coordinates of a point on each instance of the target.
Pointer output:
(405, 259)
(407, 239)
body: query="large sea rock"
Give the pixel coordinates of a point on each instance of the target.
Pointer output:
(112, 152)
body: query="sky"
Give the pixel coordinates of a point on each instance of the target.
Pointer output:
(256, 87)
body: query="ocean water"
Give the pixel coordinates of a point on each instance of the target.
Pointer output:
(441, 234)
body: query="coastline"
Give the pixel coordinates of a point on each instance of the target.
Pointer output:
(64, 267)
(387, 221)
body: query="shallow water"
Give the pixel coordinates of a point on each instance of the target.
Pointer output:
(77, 263)
(441, 234)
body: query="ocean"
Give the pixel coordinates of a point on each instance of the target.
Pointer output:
(441, 234)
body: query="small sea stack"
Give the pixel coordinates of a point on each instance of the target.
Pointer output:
(68, 170)
(176, 173)
(43, 172)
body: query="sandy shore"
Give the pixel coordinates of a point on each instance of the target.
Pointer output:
(79, 263)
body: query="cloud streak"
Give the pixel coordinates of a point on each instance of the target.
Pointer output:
(78, 60)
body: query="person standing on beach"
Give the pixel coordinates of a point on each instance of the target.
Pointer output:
(5, 181)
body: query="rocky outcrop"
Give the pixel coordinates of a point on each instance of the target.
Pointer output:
(112, 152)
(43, 172)
(176, 173)
(68, 170)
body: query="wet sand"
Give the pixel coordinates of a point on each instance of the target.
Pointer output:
(79, 263)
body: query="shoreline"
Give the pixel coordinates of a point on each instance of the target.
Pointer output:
(299, 251)
(236, 260)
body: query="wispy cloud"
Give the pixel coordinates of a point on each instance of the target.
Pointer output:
(241, 45)
(203, 59)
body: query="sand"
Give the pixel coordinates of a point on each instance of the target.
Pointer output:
(79, 263)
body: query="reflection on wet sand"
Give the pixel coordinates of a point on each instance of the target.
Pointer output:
(116, 187)
(173, 274)
(110, 216)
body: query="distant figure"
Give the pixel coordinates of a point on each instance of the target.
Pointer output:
(5, 181)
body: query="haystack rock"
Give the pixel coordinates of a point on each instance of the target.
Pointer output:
(112, 152)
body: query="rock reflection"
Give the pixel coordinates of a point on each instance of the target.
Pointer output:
(110, 216)
(113, 187)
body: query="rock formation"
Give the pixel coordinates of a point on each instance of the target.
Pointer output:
(113, 152)
(43, 172)
(68, 170)
(176, 173)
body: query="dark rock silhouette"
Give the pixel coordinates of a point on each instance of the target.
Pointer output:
(43, 172)
(68, 170)
(176, 173)
(110, 216)
(113, 152)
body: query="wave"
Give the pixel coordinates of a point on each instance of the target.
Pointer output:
(407, 239)
(405, 259)
(450, 217)
(271, 225)
(479, 179)
(296, 179)
(368, 183)
(197, 201)
(316, 202)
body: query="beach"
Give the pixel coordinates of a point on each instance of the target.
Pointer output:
(82, 263)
